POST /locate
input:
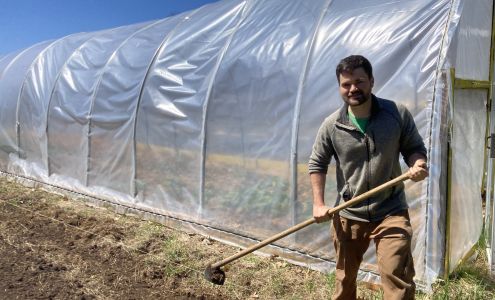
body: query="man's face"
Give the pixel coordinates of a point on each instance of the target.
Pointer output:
(355, 87)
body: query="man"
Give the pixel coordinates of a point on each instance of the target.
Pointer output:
(366, 136)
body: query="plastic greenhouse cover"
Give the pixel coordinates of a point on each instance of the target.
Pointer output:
(34, 97)
(468, 141)
(11, 80)
(474, 40)
(208, 117)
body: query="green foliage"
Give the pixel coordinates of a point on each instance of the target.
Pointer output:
(175, 253)
(262, 195)
(330, 280)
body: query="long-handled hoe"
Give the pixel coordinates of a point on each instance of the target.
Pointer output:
(214, 274)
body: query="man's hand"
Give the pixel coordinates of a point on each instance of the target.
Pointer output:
(419, 170)
(320, 213)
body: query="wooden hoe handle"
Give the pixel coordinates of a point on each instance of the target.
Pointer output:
(300, 226)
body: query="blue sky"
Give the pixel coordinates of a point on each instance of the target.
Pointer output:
(27, 22)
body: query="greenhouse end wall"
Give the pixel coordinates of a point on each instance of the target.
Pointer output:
(206, 119)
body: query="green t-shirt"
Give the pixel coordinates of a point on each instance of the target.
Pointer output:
(360, 123)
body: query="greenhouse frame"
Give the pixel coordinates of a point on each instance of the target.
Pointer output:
(205, 120)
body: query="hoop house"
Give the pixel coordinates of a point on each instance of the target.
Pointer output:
(205, 120)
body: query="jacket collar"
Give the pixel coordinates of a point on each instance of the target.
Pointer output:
(344, 116)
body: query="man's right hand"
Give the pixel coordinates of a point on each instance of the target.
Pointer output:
(320, 213)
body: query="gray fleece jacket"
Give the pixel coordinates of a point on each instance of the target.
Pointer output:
(367, 160)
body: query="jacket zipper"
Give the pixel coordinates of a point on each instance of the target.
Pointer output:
(368, 172)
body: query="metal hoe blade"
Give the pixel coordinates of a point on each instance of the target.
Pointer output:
(214, 275)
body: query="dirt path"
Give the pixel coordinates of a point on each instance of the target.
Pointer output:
(65, 254)
(55, 248)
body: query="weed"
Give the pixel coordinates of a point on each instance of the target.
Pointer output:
(163, 259)
(330, 280)
(470, 280)
(175, 256)
(310, 286)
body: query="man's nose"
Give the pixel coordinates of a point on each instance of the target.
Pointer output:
(353, 88)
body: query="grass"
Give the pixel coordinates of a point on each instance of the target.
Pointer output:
(176, 260)
(471, 280)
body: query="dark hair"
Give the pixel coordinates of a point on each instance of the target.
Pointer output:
(350, 63)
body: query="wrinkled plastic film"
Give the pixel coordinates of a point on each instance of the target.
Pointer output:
(169, 167)
(469, 123)
(6, 60)
(248, 151)
(104, 131)
(207, 118)
(474, 38)
(294, 166)
(204, 141)
(11, 79)
(71, 100)
(468, 141)
(20, 152)
(34, 97)
(166, 29)
(432, 246)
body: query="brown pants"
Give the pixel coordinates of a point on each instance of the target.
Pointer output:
(392, 238)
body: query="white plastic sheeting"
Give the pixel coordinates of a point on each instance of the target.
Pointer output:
(473, 51)
(11, 81)
(208, 117)
(467, 164)
(468, 130)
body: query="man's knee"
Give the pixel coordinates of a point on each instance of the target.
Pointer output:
(394, 256)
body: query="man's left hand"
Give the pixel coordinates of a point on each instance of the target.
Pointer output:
(419, 170)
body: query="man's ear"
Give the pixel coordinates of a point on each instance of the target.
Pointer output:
(372, 81)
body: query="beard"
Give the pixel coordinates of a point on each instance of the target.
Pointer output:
(357, 98)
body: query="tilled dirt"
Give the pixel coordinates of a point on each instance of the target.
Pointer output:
(53, 252)
(52, 247)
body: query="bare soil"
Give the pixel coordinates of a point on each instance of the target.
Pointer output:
(52, 247)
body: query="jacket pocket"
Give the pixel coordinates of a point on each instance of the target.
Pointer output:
(346, 193)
